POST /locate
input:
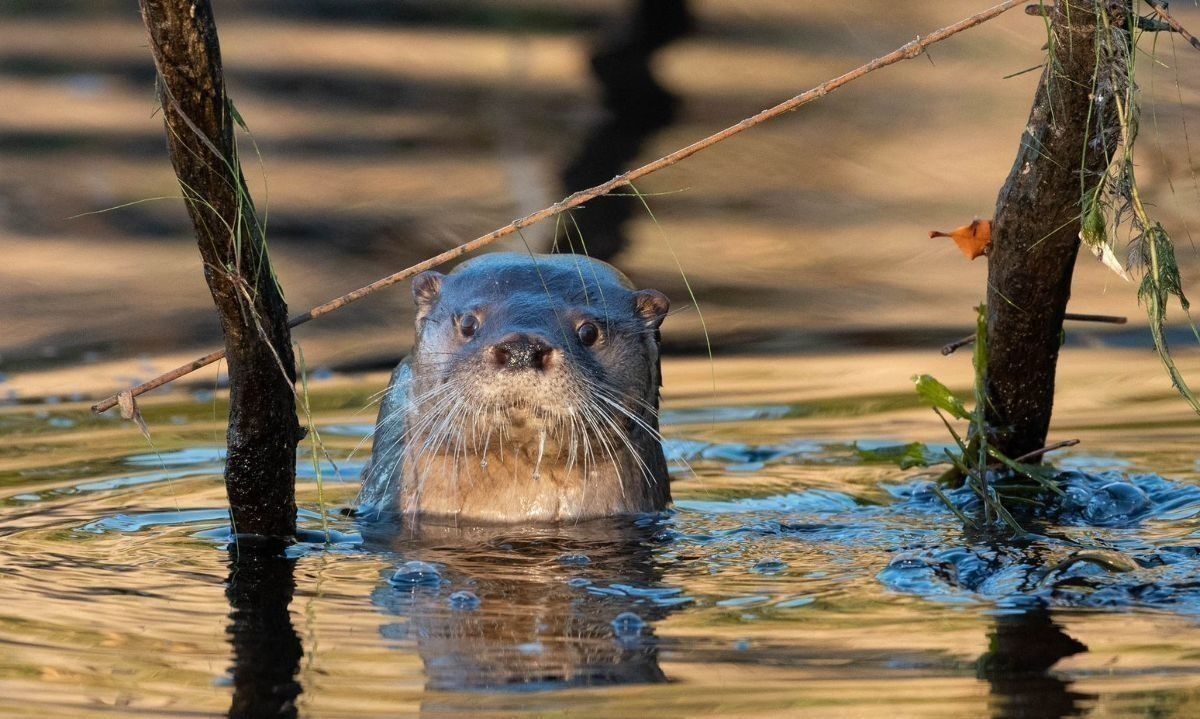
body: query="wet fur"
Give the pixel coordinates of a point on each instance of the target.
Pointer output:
(458, 436)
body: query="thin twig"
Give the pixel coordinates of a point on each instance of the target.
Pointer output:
(907, 51)
(957, 344)
(1102, 319)
(1160, 10)
(947, 350)
(1047, 449)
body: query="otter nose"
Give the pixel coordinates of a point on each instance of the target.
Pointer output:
(521, 351)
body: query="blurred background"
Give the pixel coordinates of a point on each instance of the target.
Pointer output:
(386, 131)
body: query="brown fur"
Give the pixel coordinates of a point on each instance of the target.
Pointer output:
(505, 413)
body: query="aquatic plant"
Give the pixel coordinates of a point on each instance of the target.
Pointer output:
(1114, 204)
(999, 481)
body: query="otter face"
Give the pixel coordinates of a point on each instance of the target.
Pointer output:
(532, 394)
(555, 351)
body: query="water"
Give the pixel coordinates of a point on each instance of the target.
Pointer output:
(802, 572)
(806, 569)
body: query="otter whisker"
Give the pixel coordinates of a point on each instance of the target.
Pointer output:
(592, 412)
(505, 387)
(621, 395)
(537, 466)
(611, 421)
(647, 474)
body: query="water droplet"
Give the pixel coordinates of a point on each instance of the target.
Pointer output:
(578, 582)
(464, 601)
(417, 574)
(627, 625)
(574, 559)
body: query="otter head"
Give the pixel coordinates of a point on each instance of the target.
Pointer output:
(520, 345)
(552, 356)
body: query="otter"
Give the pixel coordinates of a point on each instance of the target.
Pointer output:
(531, 395)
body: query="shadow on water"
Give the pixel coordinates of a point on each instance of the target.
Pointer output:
(636, 106)
(266, 647)
(1022, 648)
(555, 622)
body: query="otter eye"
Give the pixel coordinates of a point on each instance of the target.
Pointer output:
(588, 333)
(467, 324)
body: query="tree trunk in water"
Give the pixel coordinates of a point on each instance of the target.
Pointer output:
(1035, 235)
(260, 472)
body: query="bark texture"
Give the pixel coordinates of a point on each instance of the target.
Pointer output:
(260, 472)
(1035, 235)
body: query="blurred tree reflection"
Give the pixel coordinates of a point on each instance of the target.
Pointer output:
(266, 648)
(636, 106)
(1022, 648)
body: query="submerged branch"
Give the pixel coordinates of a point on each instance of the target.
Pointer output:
(199, 121)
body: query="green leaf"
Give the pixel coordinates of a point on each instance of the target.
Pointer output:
(1045, 476)
(1162, 281)
(937, 395)
(237, 116)
(1093, 229)
(904, 456)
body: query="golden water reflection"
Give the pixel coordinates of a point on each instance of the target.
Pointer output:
(116, 597)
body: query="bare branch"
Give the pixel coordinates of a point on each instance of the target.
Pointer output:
(1160, 9)
(950, 348)
(1047, 449)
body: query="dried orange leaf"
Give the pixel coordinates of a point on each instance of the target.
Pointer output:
(973, 239)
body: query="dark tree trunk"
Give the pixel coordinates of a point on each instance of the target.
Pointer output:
(1035, 236)
(260, 473)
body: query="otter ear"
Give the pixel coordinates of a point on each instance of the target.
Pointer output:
(425, 288)
(651, 306)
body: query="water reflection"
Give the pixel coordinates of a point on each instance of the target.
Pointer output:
(1023, 646)
(266, 648)
(551, 617)
(636, 106)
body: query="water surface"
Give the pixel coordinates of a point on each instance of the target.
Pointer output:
(801, 573)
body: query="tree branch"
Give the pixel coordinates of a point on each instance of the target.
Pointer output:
(1103, 319)
(260, 466)
(1160, 9)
